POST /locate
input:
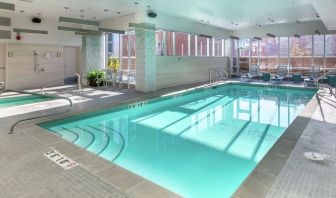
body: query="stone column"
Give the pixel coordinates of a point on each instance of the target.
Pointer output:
(92, 54)
(145, 57)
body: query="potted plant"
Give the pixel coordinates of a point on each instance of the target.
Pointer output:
(95, 77)
(113, 64)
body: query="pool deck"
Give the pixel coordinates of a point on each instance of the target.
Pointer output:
(284, 172)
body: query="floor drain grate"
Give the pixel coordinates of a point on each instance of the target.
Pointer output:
(314, 156)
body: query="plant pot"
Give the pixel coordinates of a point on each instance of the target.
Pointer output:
(92, 83)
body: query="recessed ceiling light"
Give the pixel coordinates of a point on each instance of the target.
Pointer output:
(202, 20)
(81, 10)
(67, 8)
(148, 6)
(106, 10)
(136, 3)
(22, 11)
(118, 12)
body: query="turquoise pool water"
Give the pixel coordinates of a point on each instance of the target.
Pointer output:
(200, 144)
(21, 100)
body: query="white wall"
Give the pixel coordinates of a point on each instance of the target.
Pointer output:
(174, 71)
(118, 23)
(188, 26)
(2, 62)
(165, 22)
(286, 29)
(19, 69)
(54, 36)
(20, 72)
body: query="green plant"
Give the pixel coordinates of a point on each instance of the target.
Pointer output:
(113, 63)
(95, 77)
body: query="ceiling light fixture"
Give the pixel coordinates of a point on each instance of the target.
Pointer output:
(317, 32)
(234, 37)
(270, 35)
(297, 36)
(257, 38)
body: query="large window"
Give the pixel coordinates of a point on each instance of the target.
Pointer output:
(244, 55)
(181, 44)
(284, 51)
(159, 43)
(202, 46)
(169, 43)
(113, 45)
(269, 54)
(128, 51)
(301, 54)
(255, 52)
(318, 60)
(330, 53)
(193, 45)
(218, 47)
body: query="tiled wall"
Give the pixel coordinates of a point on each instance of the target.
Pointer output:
(20, 65)
(92, 53)
(175, 71)
(146, 60)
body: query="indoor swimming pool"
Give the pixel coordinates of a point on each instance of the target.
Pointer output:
(202, 143)
(10, 101)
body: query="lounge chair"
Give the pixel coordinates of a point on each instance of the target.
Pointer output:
(282, 72)
(254, 72)
(109, 77)
(129, 79)
(312, 79)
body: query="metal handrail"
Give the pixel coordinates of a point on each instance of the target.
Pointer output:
(38, 117)
(62, 79)
(219, 71)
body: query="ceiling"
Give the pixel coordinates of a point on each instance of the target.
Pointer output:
(228, 14)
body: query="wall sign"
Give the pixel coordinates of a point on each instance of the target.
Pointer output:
(60, 159)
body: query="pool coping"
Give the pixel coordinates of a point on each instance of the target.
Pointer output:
(261, 179)
(253, 185)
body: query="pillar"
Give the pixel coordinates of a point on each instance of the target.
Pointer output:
(145, 57)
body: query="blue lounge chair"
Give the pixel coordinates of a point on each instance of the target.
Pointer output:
(312, 79)
(282, 72)
(254, 72)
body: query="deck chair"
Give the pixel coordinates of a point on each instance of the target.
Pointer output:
(109, 77)
(131, 78)
(282, 72)
(312, 79)
(254, 72)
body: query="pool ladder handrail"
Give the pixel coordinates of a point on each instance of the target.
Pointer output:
(321, 86)
(38, 117)
(220, 74)
(79, 84)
